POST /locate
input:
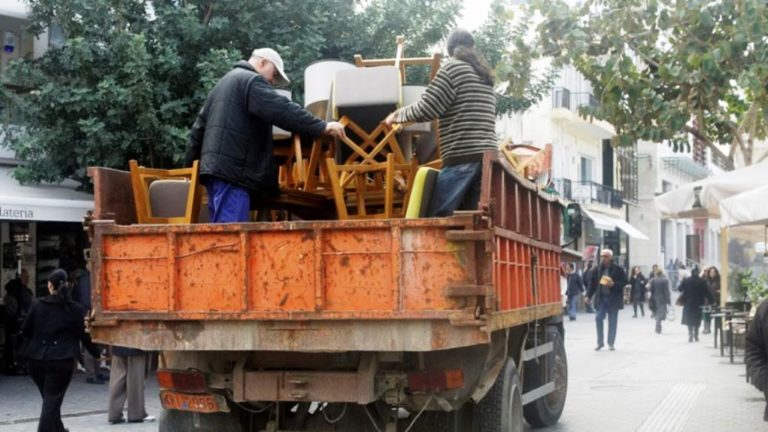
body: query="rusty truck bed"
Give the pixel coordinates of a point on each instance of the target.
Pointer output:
(387, 285)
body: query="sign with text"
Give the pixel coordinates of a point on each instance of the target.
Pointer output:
(42, 213)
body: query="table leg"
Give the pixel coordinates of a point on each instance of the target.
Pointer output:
(730, 340)
(722, 340)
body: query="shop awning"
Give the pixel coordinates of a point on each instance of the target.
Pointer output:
(42, 202)
(609, 223)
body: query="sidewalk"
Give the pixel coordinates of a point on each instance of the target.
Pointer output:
(84, 409)
(654, 383)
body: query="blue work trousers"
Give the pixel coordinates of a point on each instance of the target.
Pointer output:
(603, 310)
(457, 188)
(227, 202)
(572, 303)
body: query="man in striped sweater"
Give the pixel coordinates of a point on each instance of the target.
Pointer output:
(461, 96)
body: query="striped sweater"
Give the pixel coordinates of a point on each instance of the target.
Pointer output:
(467, 111)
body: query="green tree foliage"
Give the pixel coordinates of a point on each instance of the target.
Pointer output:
(665, 70)
(131, 74)
(506, 41)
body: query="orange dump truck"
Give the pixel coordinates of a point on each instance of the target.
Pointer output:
(438, 324)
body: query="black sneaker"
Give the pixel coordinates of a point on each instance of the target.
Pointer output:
(117, 421)
(598, 348)
(610, 347)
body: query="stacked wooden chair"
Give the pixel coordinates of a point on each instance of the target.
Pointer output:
(372, 170)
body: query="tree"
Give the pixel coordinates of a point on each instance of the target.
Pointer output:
(506, 41)
(668, 70)
(132, 74)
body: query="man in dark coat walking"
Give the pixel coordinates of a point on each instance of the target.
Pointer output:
(575, 287)
(18, 300)
(756, 353)
(607, 293)
(232, 136)
(695, 294)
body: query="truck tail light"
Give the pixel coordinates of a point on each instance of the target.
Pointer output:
(426, 381)
(188, 381)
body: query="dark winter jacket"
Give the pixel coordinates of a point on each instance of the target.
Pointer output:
(575, 285)
(81, 291)
(638, 287)
(616, 292)
(18, 301)
(756, 353)
(695, 295)
(54, 329)
(714, 289)
(232, 136)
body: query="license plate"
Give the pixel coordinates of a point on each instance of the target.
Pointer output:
(203, 403)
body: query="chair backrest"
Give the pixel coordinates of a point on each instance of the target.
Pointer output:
(175, 199)
(366, 95)
(364, 184)
(318, 81)
(421, 192)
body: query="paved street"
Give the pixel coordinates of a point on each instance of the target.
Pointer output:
(651, 383)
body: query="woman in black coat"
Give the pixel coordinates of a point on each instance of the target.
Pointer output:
(695, 294)
(637, 294)
(712, 276)
(54, 328)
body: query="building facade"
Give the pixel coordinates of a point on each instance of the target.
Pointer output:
(40, 225)
(586, 167)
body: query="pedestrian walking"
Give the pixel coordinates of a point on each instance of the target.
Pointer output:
(589, 274)
(54, 329)
(17, 300)
(695, 294)
(637, 293)
(756, 353)
(606, 292)
(712, 277)
(80, 281)
(661, 297)
(573, 291)
(126, 384)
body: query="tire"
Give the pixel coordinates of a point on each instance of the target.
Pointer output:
(546, 411)
(501, 410)
(182, 421)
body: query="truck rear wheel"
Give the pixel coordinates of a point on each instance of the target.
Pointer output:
(501, 410)
(546, 410)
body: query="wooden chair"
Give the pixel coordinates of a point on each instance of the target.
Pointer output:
(380, 142)
(177, 194)
(371, 185)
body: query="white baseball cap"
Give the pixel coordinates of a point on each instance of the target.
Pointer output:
(274, 57)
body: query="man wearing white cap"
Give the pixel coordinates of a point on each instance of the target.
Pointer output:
(232, 135)
(607, 291)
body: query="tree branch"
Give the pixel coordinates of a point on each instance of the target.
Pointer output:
(703, 138)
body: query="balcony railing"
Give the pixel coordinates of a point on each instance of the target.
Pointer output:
(588, 192)
(579, 100)
(563, 98)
